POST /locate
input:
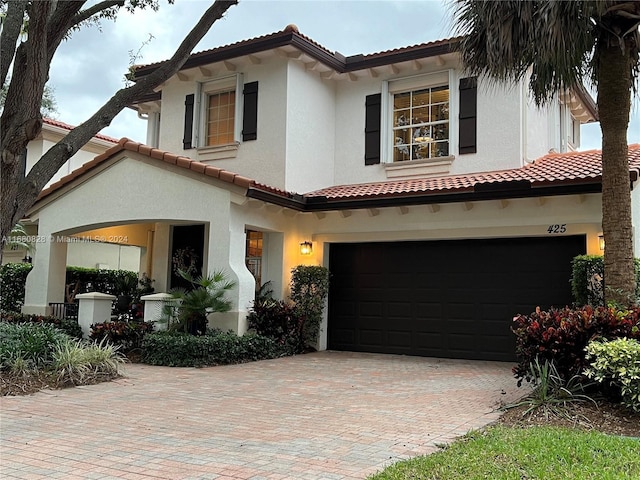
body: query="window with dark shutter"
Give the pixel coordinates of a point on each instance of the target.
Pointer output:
(250, 113)
(373, 105)
(468, 114)
(188, 122)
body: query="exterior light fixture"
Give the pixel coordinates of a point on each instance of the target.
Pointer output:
(27, 259)
(306, 248)
(601, 241)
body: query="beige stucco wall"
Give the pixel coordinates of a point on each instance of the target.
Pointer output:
(170, 195)
(311, 127)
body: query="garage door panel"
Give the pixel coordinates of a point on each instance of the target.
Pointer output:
(444, 298)
(370, 337)
(400, 309)
(399, 338)
(371, 309)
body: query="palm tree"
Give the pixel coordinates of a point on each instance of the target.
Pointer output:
(19, 238)
(206, 296)
(557, 45)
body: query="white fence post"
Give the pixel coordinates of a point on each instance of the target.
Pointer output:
(154, 309)
(93, 307)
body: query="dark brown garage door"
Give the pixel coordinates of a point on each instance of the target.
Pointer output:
(452, 299)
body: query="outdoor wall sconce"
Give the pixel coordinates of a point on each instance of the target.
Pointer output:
(306, 248)
(27, 259)
(601, 241)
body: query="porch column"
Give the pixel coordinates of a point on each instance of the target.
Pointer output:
(46, 281)
(226, 251)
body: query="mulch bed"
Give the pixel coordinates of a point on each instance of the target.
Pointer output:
(606, 417)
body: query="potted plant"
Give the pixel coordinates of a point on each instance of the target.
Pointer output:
(206, 296)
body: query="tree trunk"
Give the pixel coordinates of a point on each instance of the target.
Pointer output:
(21, 121)
(614, 102)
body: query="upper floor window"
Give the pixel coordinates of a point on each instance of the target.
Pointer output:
(219, 110)
(221, 118)
(219, 115)
(421, 124)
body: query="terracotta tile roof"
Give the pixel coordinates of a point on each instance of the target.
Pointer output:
(291, 36)
(160, 155)
(556, 169)
(66, 126)
(576, 168)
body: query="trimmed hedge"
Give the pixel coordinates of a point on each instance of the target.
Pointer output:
(587, 286)
(13, 277)
(561, 336)
(175, 349)
(94, 280)
(70, 327)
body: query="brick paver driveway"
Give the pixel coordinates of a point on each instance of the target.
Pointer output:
(327, 415)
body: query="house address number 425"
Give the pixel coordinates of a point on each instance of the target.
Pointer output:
(557, 228)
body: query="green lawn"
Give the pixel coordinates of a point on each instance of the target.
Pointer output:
(545, 453)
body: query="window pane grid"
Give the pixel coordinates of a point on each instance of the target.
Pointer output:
(221, 118)
(421, 124)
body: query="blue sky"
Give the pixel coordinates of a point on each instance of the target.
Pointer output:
(90, 66)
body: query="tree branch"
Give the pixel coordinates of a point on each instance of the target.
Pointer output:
(57, 25)
(51, 161)
(11, 27)
(91, 11)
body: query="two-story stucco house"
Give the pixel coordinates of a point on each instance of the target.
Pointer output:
(441, 204)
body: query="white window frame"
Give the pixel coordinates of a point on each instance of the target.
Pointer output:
(408, 84)
(219, 85)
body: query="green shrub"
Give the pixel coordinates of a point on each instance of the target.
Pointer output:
(309, 290)
(13, 277)
(31, 343)
(103, 281)
(126, 335)
(278, 320)
(587, 276)
(68, 326)
(176, 349)
(562, 335)
(76, 363)
(617, 363)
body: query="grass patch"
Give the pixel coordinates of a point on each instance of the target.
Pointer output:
(502, 453)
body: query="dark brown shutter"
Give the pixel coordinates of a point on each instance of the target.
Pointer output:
(468, 113)
(188, 122)
(373, 108)
(250, 113)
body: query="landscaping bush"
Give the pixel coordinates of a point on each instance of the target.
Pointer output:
(41, 351)
(616, 364)
(309, 290)
(587, 284)
(76, 363)
(13, 277)
(70, 327)
(94, 280)
(562, 335)
(176, 349)
(127, 335)
(278, 320)
(29, 344)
